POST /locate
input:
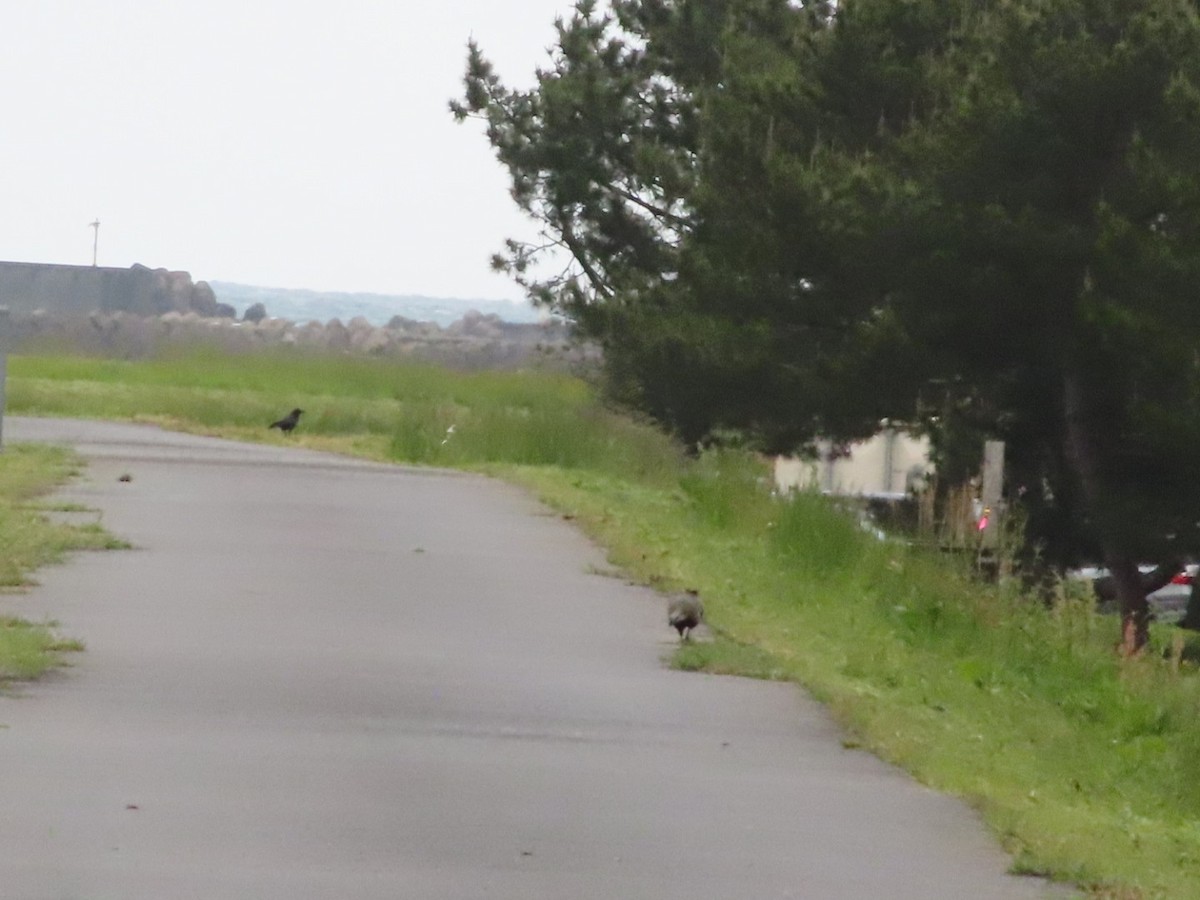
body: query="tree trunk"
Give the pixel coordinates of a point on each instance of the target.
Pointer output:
(1131, 595)
(1082, 451)
(1106, 587)
(1191, 618)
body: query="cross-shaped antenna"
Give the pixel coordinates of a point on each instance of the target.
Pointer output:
(95, 238)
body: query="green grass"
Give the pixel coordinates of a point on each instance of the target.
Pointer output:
(723, 656)
(1087, 766)
(29, 540)
(365, 406)
(28, 650)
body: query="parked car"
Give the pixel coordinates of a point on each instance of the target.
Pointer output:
(1167, 604)
(1178, 591)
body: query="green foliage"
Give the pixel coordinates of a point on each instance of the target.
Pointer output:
(724, 657)
(805, 536)
(602, 152)
(393, 410)
(721, 488)
(980, 219)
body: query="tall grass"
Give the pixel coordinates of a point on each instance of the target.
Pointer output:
(1086, 765)
(402, 412)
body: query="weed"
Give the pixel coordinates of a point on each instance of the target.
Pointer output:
(400, 412)
(725, 657)
(28, 540)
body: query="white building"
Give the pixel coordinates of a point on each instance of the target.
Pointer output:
(887, 465)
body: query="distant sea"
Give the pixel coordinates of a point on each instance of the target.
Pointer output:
(321, 306)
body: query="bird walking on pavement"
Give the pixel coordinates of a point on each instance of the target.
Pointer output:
(685, 613)
(288, 422)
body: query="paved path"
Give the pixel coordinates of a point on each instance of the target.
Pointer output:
(317, 678)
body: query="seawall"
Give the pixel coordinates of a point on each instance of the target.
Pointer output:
(80, 290)
(26, 287)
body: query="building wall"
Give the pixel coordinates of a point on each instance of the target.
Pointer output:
(885, 465)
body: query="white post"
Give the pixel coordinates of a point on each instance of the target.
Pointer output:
(889, 458)
(3, 379)
(992, 491)
(3, 366)
(95, 226)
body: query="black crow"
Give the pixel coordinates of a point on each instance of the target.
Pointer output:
(288, 422)
(685, 613)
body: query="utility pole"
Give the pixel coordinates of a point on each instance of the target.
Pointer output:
(95, 226)
(4, 324)
(992, 493)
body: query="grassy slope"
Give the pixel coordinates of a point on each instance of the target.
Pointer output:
(1088, 767)
(28, 539)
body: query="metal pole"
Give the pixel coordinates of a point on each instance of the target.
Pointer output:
(95, 226)
(3, 378)
(3, 366)
(993, 473)
(889, 458)
(992, 493)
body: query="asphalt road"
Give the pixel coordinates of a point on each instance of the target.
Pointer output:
(318, 678)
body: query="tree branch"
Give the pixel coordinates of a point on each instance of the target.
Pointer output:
(597, 281)
(649, 207)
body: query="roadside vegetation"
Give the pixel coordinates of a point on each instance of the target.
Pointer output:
(1086, 764)
(979, 219)
(29, 539)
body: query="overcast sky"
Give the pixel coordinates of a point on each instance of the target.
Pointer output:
(283, 143)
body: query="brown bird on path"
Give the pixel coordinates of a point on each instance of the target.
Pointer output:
(685, 613)
(288, 422)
